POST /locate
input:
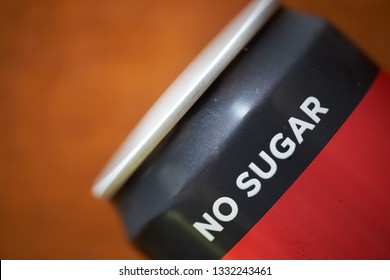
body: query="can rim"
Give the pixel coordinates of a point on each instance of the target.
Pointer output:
(181, 95)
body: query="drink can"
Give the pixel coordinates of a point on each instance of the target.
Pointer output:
(271, 145)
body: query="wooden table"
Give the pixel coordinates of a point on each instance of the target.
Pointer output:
(76, 76)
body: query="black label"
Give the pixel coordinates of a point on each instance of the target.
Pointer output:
(224, 166)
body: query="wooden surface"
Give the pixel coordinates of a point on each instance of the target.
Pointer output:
(76, 76)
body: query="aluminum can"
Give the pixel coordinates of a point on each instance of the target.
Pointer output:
(284, 156)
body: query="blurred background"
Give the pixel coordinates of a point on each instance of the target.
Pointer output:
(75, 78)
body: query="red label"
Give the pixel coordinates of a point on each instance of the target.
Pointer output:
(339, 207)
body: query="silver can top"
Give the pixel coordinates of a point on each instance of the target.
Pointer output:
(181, 95)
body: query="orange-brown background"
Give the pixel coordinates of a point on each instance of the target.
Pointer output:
(76, 76)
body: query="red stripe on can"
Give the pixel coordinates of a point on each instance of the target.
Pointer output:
(339, 207)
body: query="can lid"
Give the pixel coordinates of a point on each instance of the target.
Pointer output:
(181, 95)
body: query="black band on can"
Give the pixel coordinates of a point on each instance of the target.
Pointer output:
(298, 79)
